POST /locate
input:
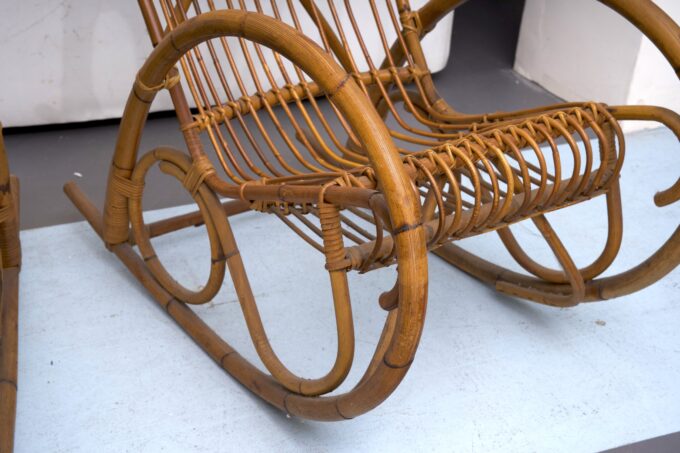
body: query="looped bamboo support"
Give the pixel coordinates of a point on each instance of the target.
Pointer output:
(10, 264)
(290, 119)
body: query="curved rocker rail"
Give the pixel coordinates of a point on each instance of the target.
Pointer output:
(10, 255)
(472, 174)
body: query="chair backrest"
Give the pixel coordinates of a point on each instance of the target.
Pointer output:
(242, 91)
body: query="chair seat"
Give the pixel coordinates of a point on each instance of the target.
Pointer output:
(501, 173)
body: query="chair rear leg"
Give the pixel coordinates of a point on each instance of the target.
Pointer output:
(599, 265)
(572, 274)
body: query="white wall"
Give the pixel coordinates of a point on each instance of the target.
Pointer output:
(73, 60)
(67, 60)
(582, 50)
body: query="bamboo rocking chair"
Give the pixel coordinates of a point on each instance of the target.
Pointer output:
(10, 260)
(351, 146)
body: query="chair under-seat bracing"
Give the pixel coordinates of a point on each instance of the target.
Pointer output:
(324, 114)
(10, 262)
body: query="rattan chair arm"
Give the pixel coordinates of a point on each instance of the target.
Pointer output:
(661, 115)
(656, 25)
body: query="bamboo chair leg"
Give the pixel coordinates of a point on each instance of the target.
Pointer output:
(390, 299)
(8, 357)
(577, 286)
(599, 265)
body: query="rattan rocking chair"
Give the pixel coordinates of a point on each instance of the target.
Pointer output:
(10, 256)
(355, 151)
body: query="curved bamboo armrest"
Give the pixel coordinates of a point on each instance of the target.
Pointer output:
(656, 25)
(668, 118)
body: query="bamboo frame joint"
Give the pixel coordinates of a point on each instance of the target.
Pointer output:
(144, 91)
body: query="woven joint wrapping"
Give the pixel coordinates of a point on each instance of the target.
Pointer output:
(127, 187)
(411, 22)
(170, 80)
(334, 249)
(201, 167)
